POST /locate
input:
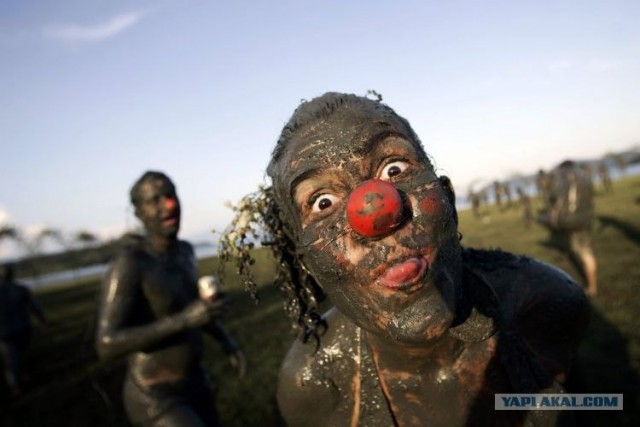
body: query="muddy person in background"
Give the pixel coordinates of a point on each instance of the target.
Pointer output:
(151, 311)
(506, 190)
(422, 331)
(497, 193)
(474, 198)
(17, 304)
(569, 218)
(605, 178)
(525, 203)
(542, 185)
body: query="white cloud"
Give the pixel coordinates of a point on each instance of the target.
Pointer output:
(75, 33)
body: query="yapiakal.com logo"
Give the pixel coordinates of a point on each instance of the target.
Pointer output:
(558, 402)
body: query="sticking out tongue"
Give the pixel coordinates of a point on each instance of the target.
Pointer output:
(401, 274)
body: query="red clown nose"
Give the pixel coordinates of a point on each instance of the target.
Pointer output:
(374, 208)
(170, 203)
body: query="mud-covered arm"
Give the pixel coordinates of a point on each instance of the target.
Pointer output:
(236, 356)
(220, 334)
(121, 297)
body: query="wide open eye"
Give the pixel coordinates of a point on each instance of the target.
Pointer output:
(393, 169)
(323, 201)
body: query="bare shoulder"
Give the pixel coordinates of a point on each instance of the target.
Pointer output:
(129, 254)
(126, 265)
(546, 306)
(315, 376)
(524, 282)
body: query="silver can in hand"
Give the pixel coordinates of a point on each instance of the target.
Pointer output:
(208, 287)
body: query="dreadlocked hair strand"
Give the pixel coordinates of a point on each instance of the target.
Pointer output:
(257, 219)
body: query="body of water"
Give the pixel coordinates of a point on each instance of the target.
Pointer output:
(93, 271)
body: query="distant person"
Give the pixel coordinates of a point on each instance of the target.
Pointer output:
(506, 190)
(587, 170)
(542, 185)
(474, 198)
(525, 203)
(421, 331)
(605, 178)
(17, 304)
(569, 218)
(484, 197)
(151, 312)
(497, 192)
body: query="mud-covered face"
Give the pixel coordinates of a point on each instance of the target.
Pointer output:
(403, 284)
(158, 207)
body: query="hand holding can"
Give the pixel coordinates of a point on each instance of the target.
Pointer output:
(208, 287)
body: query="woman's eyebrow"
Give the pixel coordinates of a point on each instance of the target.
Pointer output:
(308, 174)
(375, 141)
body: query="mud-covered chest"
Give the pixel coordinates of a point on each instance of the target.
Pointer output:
(170, 283)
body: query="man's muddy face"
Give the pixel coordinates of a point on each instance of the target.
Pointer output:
(402, 284)
(158, 207)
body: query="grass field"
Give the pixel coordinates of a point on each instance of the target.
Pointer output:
(66, 386)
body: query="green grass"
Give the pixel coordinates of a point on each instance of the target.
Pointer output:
(66, 386)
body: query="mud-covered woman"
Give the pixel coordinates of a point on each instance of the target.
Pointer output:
(422, 331)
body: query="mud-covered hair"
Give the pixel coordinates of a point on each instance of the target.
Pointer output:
(258, 218)
(324, 106)
(267, 214)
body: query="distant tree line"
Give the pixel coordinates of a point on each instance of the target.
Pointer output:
(76, 250)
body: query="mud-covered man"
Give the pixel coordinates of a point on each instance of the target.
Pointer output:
(17, 305)
(542, 185)
(569, 218)
(525, 203)
(422, 331)
(151, 312)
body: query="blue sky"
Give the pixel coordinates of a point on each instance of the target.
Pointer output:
(93, 93)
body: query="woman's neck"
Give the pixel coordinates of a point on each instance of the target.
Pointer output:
(406, 356)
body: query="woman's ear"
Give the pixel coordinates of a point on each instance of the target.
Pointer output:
(445, 182)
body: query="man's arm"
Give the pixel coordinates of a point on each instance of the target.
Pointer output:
(120, 299)
(236, 356)
(219, 333)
